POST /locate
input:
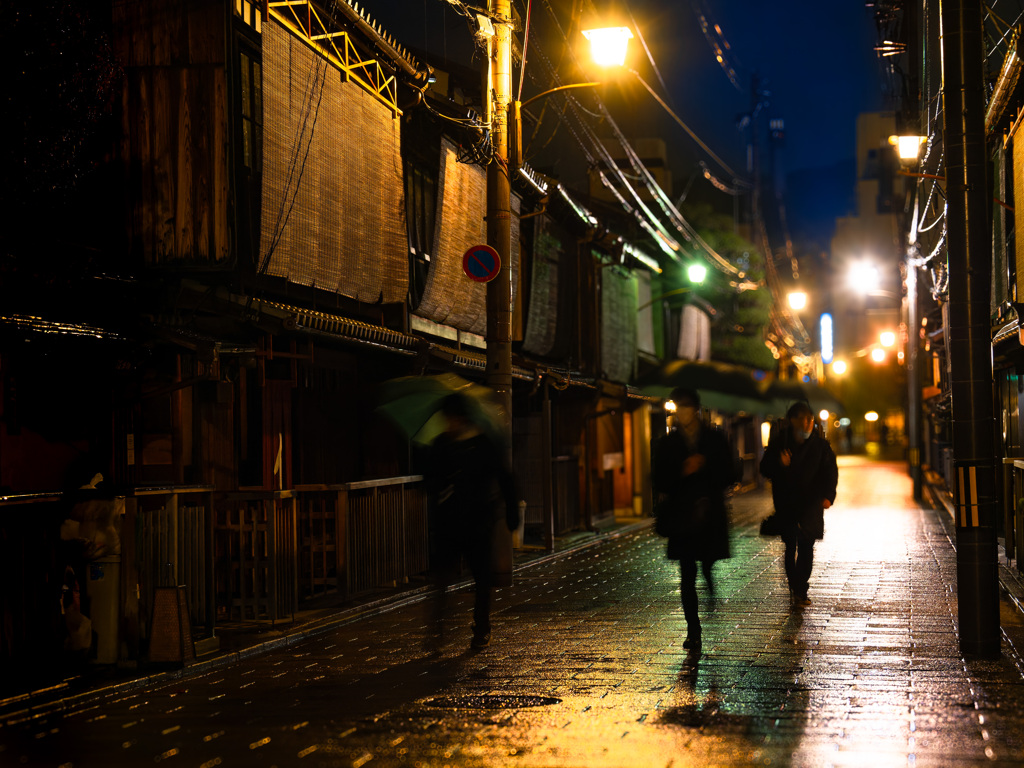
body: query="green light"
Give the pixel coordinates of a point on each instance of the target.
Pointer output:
(696, 273)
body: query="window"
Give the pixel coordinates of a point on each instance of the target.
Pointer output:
(252, 112)
(420, 203)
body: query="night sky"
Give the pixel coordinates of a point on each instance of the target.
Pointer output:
(816, 58)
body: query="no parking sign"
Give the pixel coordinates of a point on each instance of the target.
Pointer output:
(481, 263)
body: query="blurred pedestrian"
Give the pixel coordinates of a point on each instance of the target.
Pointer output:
(693, 467)
(802, 467)
(471, 491)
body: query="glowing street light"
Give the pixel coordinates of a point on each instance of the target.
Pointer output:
(797, 300)
(608, 45)
(864, 277)
(908, 148)
(878, 355)
(839, 367)
(887, 338)
(696, 273)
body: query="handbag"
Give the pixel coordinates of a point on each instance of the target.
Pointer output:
(771, 525)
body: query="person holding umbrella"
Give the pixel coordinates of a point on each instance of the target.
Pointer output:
(692, 469)
(802, 467)
(471, 491)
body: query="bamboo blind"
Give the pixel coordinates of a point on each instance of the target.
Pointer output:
(333, 211)
(449, 296)
(542, 323)
(618, 324)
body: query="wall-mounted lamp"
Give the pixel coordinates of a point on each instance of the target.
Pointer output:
(908, 148)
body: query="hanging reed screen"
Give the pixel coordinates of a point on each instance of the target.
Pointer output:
(449, 296)
(333, 211)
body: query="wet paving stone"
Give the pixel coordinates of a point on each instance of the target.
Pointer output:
(869, 674)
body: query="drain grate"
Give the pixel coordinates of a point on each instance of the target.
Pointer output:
(491, 701)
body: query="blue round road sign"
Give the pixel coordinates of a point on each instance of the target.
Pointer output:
(481, 263)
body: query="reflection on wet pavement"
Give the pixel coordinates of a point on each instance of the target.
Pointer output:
(586, 668)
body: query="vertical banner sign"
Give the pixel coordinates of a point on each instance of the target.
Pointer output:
(967, 485)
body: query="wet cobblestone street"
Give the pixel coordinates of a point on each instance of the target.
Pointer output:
(586, 668)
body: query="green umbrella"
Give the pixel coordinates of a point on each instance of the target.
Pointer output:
(413, 404)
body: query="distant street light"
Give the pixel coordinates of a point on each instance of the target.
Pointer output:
(839, 367)
(887, 338)
(696, 272)
(878, 355)
(908, 148)
(797, 300)
(864, 277)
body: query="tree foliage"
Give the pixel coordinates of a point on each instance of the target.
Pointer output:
(738, 329)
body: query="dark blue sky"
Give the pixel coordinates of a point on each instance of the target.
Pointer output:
(816, 55)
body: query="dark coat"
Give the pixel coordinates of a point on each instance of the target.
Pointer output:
(470, 489)
(695, 502)
(799, 489)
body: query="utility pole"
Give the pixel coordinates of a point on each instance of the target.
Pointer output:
(911, 119)
(968, 229)
(498, 94)
(913, 371)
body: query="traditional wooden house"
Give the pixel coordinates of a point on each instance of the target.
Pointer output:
(288, 194)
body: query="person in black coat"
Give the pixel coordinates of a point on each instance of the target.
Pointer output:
(471, 490)
(692, 469)
(802, 467)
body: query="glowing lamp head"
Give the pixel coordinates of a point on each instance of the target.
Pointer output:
(908, 147)
(823, 415)
(878, 355)
(608, 45)
(696, 273)
(887, 338)
(839, 367)
(797, 300)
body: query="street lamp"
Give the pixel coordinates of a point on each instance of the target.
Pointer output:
(797, 300)
(608, 45)
(696, 273)
(502, 111)
(908, 148)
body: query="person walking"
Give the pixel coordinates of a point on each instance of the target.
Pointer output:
(470, 485)
(692, 469)
(802, 468)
